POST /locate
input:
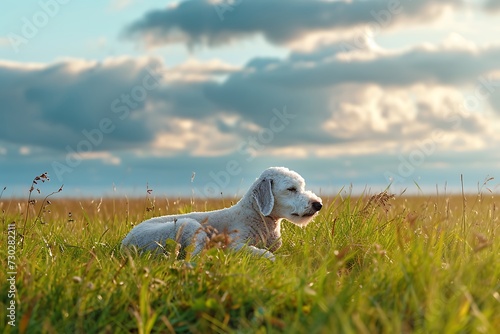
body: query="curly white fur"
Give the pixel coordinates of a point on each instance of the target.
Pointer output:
(254, 223)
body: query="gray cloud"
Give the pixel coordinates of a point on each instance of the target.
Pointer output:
(492, 5)
(279, 21)
(438, 65)
(495, 98)
(50, 106)
(322, 88)
(58, 105)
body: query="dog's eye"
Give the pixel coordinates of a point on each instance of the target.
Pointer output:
(292, 189)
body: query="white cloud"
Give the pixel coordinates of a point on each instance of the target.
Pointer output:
(194, 70)
(408, 115)
(456, 41)
(120, 4)
(106, 157)
(4, 41)
(213, 136)
(24, 150)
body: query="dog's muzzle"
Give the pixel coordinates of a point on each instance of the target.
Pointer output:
(316, 206)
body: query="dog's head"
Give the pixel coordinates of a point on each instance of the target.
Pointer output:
(280, 193)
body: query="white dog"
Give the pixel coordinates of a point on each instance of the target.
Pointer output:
(253, 223)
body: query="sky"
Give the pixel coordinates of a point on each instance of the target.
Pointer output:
(197, 97)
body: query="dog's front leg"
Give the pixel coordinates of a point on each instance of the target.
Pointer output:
(254, 250)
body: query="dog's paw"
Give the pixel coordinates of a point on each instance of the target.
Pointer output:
(270, 256)
(256, 251)
(264, 253)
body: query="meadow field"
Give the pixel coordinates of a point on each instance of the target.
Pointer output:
(377, 263)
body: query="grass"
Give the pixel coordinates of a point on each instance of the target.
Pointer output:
(371, 264)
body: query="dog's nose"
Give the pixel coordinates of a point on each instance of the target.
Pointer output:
(317, 206)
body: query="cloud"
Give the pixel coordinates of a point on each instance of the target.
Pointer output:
(490, 85)
(398, 118)
(52, 105)
(383, 97)
(121, 100)
(88, 109)
(337, 101)
(120, 4)
(214, 23)
(427, 64)
(194, 70)
(4, 41)
(492, 5)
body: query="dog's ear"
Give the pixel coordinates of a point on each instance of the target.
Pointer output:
(263, 195)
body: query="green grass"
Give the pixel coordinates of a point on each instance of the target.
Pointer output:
(365, 265)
